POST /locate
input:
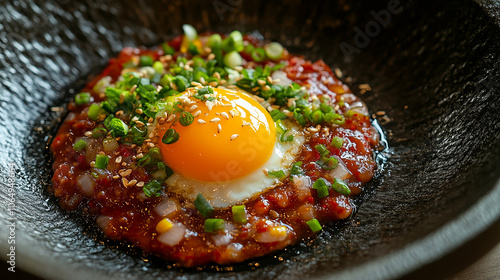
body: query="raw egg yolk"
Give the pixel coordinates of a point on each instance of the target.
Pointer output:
(229, 138)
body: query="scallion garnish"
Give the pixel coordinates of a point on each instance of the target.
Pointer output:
(239, 214)
(101, 161)
(274, 50)
(80, 145)
(213, 225)
(82, 98)
(233, 42)
(171, 136)
(258, 55)
(321, 186)
(158, 66)
(94, 111)
(322, 149)
(296, 168)
(340, 186)
(233, 59)
(277, 115)
(99, 132)
(118, 127)
(186, 118)
(314, 225)
(337, 142)
(146, 60)
(279, 174)
(316, 116)
(214, 41)
(153, 188)
(328, 163)
(203, 206)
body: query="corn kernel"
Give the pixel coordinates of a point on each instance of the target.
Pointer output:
(163, 226)
(279, 231)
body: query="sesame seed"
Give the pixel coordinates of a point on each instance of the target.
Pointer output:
(118, 159)
(125, 182)
(173, 86)
(197, 113)
(126, 173)
(92, 163)
(200, 121)
(255, 89)
(266, 87)
(213, 84)
(238, 68)
(195, 83)
(215, 120)
(151, 145)
(140, 184)
(225, 115)
(211, 56)
(209, 105)
(171, 118)
(380, 113)
(133, 88)
(207, 50)
(338, 73)
(140, 155)
(216, 74)
(231, 87)
(245, 123)
(261, 82)
(202, 80)
(219, 128)
(131, 183)
(88, 133)
(119, 113)
(265, 171)
(270, 79)
(231, 112)
(139, 111)
(116, 177)
(234, 136)
(139, 123)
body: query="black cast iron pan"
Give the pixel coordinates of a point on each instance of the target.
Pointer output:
(434, 68)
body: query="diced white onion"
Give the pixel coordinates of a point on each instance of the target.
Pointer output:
(110, 144)
(70, 117)
(360, 107)
(222, 238)
(103, 221)
(269, 237)
(282, 78)
(166, 207)
(102, 84)
(303, 186)
(340, 172)
(174, 235)
(161, 173)
(86, 183)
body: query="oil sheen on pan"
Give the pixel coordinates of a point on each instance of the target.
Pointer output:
(213, 149)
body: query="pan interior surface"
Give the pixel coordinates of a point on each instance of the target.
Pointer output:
(434, 68)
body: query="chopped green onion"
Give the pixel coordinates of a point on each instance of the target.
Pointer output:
(167, 49)
(322, 149)
(328, 163)
(316, 116)
(118, 127)
(296, 168)
(155, 153)
(213, 225)
(334, 118)
(101, 161)
(193, 49)
(203, 206)
(106, 106)
(233, 59)
(340, 186)
(279, 174)
(80, 145)
(314, 225)
(94, 111)
(249, 48)
(280, 127)
(277, 115)
(325, 108)
(158, 66)
(190, 32)
(337, 142)
(170, 137)
(186, 118)
(239, 214)
(214, 41)
(82, 98)
(258, 55)
(300, 118)
(274, 50)
(233, 42)
(145, 60)
(153, 188)
(322, 187)
(99, 132)
(286, 138)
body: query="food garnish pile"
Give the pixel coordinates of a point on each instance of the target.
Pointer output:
(213, 149)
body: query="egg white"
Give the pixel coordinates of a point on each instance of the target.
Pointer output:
(226, 193)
